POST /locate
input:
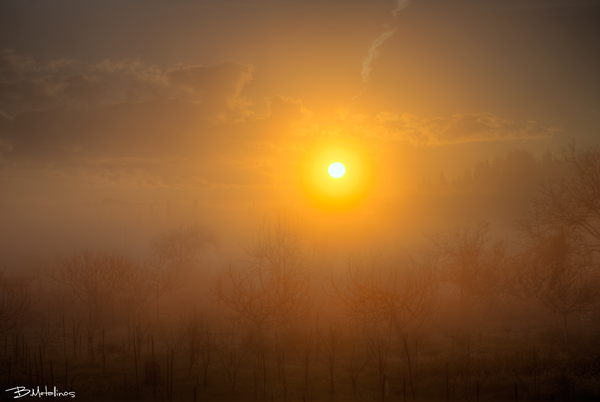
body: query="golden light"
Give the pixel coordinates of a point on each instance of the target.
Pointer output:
(322, 179)
(336, 170)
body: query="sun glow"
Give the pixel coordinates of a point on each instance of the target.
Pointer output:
(341, 184)
(336, 170)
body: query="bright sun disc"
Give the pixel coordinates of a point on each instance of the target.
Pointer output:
(337, 175)
(336, 170)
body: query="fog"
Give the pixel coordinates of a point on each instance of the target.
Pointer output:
(498, 192)
(170, 228)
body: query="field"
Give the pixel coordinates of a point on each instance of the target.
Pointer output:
(312, 363)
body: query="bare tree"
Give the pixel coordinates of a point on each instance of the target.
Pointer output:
(560, 236)
(264, 299)
(560, 274)
(279, 247)
(94, 280)
(136, 332)
(356, 364)
(173, 336)
(280, 357)
(259, 371)
(207, 345)
(470, 262)
(15, 302)
(330, 343)
(304, 350)
(378, 348)
(398, 296)
(198, 343)
(46, 334)
(181, 247)
(274, 288)
(148, 282)
(232, 356)
(571, 202)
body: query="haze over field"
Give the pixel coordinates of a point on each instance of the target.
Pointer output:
(360, 133)
(149, 102)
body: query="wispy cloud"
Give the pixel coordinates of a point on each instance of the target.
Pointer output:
(127, 124)
(460, 128)
(373, 53)
(400, 5)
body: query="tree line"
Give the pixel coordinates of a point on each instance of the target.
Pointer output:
(551, 262)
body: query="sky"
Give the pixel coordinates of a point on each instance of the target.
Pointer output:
(229, 102)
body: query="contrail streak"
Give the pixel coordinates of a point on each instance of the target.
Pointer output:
(373, 53)
(400, 5)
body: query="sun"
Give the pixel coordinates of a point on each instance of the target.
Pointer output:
(337, 174)
(336, 170)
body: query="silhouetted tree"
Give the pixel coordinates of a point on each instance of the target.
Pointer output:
(232, 356)
(94, 280)
(470, 263)
(559, 273)
(274, 287)
(570, 203)
(198, 343)
(146, 283)
(279, 247)
(264, 298)
(398, 296)
(15, 302)
(181, 247)
(356, 363)
(519, 171)
(330, 343)
(379, 345)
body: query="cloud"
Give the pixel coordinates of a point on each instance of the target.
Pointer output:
(287, 109)
(83, 87)
(132, 125)
(125, 123)
(373, 53)
(400, 5)
(218, 85)
(68, 84)
(108, 120)
(20, 81)
(460, 128)
(13, 64)
(26, 84)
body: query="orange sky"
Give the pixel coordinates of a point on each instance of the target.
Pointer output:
(147, 102)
